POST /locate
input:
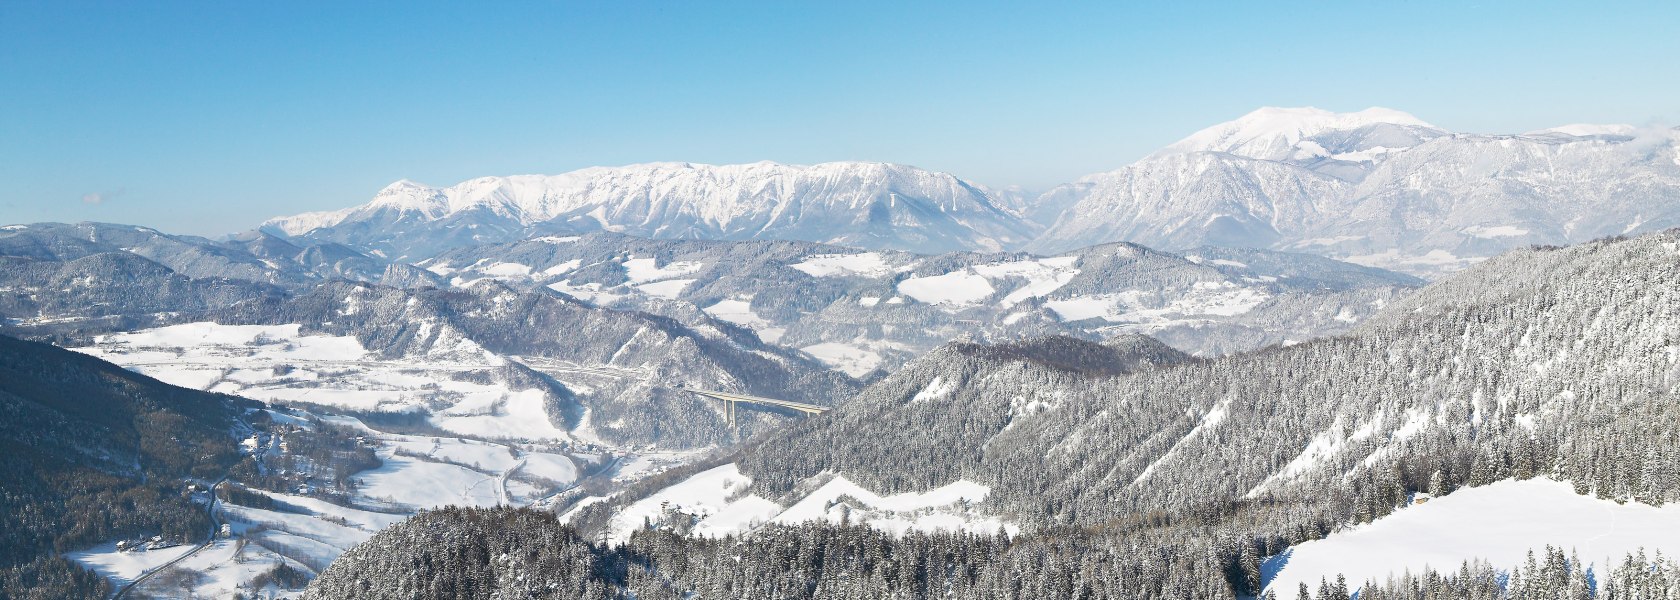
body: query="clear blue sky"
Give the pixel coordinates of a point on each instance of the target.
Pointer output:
(208, 117)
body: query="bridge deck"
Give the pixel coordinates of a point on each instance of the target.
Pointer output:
(799, 406)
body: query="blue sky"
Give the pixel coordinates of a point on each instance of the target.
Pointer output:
(208, 117)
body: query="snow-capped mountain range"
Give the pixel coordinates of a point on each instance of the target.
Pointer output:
(869, 205)
(1378, 187)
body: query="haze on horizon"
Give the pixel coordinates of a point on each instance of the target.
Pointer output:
(207, 119)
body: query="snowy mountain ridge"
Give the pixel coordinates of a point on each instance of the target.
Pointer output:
(865, 204)
(1377, 187)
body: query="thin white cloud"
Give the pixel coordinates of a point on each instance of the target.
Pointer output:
(97, 198)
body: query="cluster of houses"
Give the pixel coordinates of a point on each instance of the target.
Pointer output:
(155, 543)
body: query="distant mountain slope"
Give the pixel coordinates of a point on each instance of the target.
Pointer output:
(1377, 187)
(861, 310)
(95, 452)
(255, 256)
(867, 205)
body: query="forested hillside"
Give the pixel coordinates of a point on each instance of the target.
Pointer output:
(1544, 361)
(93, 453)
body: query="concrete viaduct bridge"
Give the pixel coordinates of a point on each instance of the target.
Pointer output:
(731, 400)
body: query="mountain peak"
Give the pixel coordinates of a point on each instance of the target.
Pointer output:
(1278, 133)
(402, 185)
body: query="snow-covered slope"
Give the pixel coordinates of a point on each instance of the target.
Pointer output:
(1377, 187)
(870, 205)
(1306, 134)
(1499, 523)
(716, 502)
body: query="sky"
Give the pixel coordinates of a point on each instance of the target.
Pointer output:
(207, 118)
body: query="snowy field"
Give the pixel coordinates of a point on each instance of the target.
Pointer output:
(1203, 300)
(1500, 523)
(740, 313)
(276, 363)
(865, 264)
(851, 359)
(123, 568)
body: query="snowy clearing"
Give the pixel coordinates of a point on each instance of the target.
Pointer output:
(740, 313)
(849, 359)
(959, 288)
(1500, 523)
(1205, 299)
(714, 494)
(714, 503)
(867, 264)
(945, 508)
(124, 567)
(644, 270)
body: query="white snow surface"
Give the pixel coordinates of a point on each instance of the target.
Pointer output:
(275, 363)
(940, 509)
(1043, 276)
(715, 497)
(957, 288)
(1274, 133)
(206, 337)
(1499, 523)
(717, 504)
(740, 313)
(668, 289)
(1204, 299)
(422, 484)
(124, 567)
(848, 358)
(644, 270)
(866, 264)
